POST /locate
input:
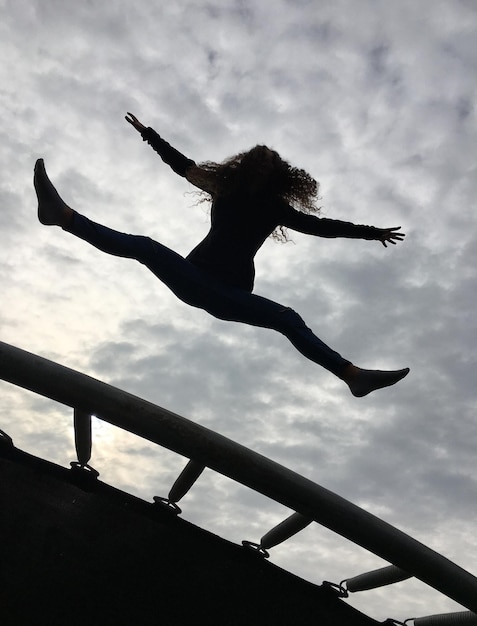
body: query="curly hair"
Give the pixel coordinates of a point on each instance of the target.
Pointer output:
(259, 171)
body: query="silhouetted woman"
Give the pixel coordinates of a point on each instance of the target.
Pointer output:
(254, 194)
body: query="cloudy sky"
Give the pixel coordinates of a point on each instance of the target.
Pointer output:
(377, 100)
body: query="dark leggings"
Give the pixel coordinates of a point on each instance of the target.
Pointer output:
(197, 288)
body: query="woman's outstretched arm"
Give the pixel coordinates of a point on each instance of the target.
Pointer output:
(324, 227)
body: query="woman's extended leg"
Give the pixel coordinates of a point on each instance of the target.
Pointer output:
(238, 305)
(198, 289)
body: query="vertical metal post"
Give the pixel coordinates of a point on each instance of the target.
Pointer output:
(83, 436)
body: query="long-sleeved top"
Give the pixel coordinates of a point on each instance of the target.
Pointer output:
(241, 222)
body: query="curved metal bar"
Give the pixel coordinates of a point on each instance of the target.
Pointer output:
(237, 462)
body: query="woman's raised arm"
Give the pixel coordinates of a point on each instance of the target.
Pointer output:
(179, 163)
(172, 157)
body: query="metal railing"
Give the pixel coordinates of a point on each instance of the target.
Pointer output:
(205, 448)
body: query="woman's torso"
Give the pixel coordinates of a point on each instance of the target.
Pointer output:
(239, 226)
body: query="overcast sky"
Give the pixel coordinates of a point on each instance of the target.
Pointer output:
(376, 100)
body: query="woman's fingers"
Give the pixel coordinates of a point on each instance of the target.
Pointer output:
(389, 235)
(132, 119)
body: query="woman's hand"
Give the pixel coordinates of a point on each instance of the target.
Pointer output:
(389, 235)
(132, 119)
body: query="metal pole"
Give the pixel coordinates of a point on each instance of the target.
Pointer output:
(237, 462)
(284, 530)
(464, 618)
(377, 578)
(185, 480)
(83, 435)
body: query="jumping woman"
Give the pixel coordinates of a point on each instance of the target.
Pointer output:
(253, 195)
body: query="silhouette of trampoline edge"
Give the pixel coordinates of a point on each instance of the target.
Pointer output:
(205, 448)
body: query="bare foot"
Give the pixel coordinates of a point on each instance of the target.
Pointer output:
(361, 382)
(51, 208)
